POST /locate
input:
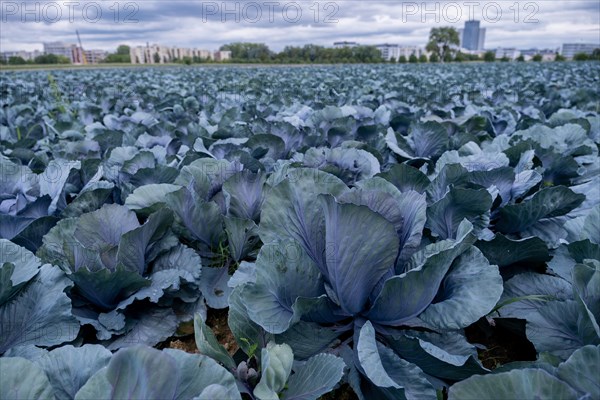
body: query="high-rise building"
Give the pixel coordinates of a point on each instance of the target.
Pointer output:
(481, 42)
(472, 36)
(569, 50)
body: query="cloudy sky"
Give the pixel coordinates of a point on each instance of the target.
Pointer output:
(104, 24)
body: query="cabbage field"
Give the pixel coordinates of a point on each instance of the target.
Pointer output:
(367, 231)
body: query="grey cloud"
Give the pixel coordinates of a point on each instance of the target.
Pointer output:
(187, 23)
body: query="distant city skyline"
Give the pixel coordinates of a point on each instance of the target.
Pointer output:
(206, 24)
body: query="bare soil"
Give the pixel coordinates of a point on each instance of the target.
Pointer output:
(344, 392)
(504, 341)
(217, 320)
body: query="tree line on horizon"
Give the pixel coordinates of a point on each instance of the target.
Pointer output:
(442, 45)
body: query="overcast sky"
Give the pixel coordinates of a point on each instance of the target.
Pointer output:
(209, 24)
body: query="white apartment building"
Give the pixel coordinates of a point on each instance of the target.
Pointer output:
(154, 54)
(137, 55)
(74, 53)
(25, 55)
(389, 51)
(568, 50)
(407, 51)
(95, 56)
(157, 54)
(61, 49)
(510, 53)
(222, 55)
(547, 54)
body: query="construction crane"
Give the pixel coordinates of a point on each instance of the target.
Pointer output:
(83, 58)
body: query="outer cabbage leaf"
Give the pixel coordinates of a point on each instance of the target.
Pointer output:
(580, 371)
(385, 369)
(68, 368)
(22, 379)
(314, 378)
(276, 366)
(244, 194)
(292, 212)
(40, 313)
(444, 216)
(17, 266)
(470, 290)
(141, 372)
(356, 263)
(547, 203)
(516, 384)
(425, 140)
(280, 268)
(445, 355)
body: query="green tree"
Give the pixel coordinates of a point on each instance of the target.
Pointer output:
(434, 58)
(311, 53)
(520, 58)
(51, 59)
(199, 60)
(460, 57)
(156, 58)
(413, 59)
(16, 60)
(120, 56)
(402, 59)
(423, 58)
(442, 41)
(537, 58)
(248, 52)
(505, 59)
(123, 50)
(489, 56)
(576, 57)
(117, 58)
(559, 57)
(595, 54)
(393, 60)
(367, 54)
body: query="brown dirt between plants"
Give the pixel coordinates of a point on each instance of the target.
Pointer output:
(217, 321)
(344, 392)
(502, 346)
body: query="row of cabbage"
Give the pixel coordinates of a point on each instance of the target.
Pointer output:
(353, 220)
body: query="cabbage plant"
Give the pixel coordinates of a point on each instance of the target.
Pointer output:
(351, 262)
(132, 282)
